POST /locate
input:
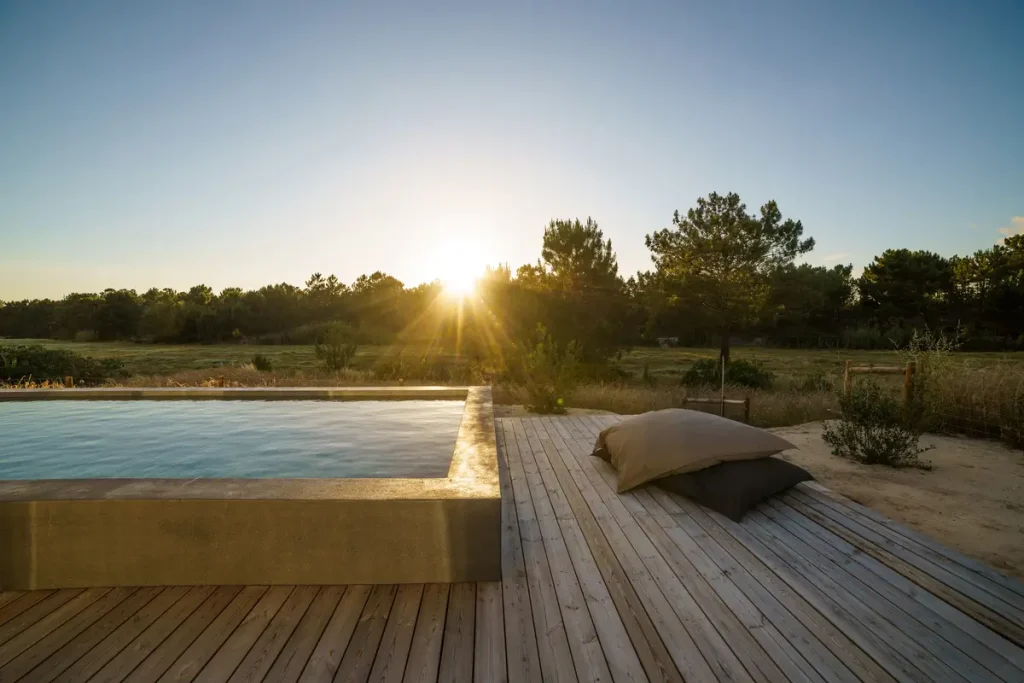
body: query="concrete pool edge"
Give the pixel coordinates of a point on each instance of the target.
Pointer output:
(76, 533)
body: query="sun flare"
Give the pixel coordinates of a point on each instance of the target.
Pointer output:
(458, 265)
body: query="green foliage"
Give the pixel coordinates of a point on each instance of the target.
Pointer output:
(718, 261)
(262, 363)
(743, 373)
(24, 363)
(873, 429)
(336, 347)
(549, 372)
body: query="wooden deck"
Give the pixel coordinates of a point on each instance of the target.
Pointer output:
(596, 587)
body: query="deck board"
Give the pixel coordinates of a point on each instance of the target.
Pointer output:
(596, 586)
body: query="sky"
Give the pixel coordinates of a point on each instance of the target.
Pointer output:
(245, 143)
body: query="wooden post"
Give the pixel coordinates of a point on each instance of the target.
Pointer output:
(847, 377)
(220, 381)
(908, 384)
(746, 409)
(69, 381)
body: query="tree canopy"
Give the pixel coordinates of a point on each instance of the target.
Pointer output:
(719, 273)
(719, 260)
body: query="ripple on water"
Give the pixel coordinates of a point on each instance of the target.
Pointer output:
(261, 439)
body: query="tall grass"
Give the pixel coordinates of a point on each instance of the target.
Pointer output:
(768, 408)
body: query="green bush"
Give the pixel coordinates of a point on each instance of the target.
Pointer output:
(335, 347)
(549, 372)
(743, 373)
(22, 363)
(873, 429)
(262, 363)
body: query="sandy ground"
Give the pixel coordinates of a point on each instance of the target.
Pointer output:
(971, 500)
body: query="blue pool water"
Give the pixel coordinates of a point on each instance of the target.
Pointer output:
(190, 439)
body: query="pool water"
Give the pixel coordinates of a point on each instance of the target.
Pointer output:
(218, 439)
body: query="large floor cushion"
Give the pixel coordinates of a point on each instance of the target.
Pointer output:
(732, 488)
(673, 441)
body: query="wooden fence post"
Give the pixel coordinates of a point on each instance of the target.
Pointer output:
(847, 378)
(746, 409)
(908, 384)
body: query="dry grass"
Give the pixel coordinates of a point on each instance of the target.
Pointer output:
(768, 408)
(979, 401)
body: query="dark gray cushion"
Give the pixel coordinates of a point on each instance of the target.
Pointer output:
(732, 488)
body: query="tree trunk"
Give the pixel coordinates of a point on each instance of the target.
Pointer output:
(724, 352)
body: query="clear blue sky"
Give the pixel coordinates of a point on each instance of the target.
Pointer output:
(172, 143)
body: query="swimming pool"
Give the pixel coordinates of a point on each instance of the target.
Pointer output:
(227, 439)
(270, 485)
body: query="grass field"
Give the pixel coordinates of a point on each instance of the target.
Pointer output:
(980, 393)
(663, 364)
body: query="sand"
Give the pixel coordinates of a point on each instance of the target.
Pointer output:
(971, 500)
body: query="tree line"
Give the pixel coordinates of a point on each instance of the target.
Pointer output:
(720, 274)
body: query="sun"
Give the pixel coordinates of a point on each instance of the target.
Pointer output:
(460, 285)
(458, 264)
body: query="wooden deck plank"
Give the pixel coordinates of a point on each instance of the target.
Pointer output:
(717, 654)
(552, 642)
(915, 622)
(296, 652)
(584, 646)
(389, 665)
(190, 662)
(992, 597)
(164, 655)
(459, 634)
(33, 611)
(706, 632)
(670, 629)
(650, 649)
(263, 653)
(596, 585)
(40, 628)
(997, 622)
(101, 653)
(21, 603)
(362, 648)
(237, 645)
(326, 656)
(522, 657)
(843, 606)
(42, 648)
(118, 668)
(425, 651)
(728, 565)
(7, 597)
(973, 638)
(87, 638)
(489, 641)
(623, 662)
(913, 540)
(658, 526)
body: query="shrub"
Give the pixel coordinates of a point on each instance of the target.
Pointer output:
(262, 363)
(335, 347)
(741, 373)
(873, 429)
(549, 372)
(21, 363)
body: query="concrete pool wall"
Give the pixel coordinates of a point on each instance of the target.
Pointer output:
(109, 532)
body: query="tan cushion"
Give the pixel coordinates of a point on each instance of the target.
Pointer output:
(673, 441)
